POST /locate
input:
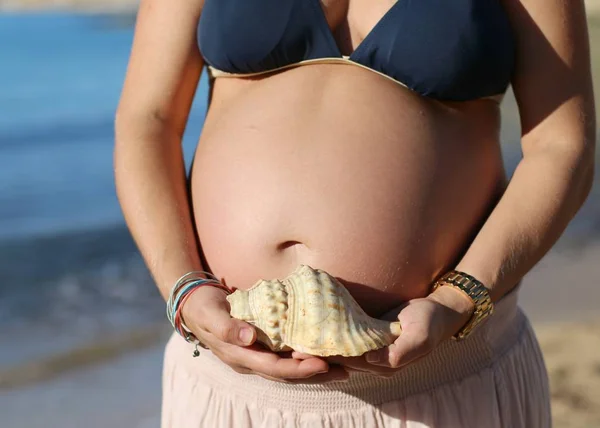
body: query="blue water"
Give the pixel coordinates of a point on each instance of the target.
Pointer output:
(68, 267)
(60, 79)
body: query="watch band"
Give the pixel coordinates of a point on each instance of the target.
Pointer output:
(476, 291)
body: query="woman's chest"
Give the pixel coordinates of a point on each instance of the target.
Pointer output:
(350, 21)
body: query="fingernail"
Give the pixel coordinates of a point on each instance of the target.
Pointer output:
(246, 336)
(373, 357)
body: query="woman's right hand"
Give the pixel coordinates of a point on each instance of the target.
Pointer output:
(206, 314)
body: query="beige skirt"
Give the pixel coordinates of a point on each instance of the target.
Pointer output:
(495, 378)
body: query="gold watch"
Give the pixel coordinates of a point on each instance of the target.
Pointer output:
(476, 292)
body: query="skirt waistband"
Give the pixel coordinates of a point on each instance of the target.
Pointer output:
(450, 361)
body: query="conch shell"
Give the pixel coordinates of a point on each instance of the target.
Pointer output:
(310, 312)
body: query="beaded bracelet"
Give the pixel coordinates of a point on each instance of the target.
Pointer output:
(180, 293)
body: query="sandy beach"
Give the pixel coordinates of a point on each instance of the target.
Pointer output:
(561, 296)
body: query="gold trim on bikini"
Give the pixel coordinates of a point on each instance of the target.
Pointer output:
(213, 72)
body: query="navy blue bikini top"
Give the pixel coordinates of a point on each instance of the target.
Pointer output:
(453, 50)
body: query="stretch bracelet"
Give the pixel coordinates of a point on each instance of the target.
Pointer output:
(189, 277)
(180, 293)
(186, 279)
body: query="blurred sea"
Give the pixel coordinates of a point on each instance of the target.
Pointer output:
(68, 269)
(69, 272)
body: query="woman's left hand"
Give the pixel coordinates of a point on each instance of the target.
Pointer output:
(425, 323)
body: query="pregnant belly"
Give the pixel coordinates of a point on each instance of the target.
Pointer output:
(382, 201)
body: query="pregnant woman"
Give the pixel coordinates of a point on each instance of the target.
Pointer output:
(360, 137)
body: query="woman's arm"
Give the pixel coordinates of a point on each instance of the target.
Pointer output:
(161, 80)
(553, 87)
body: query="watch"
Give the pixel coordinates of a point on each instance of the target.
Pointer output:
(476, 292)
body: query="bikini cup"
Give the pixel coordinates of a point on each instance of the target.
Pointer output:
(455, 50)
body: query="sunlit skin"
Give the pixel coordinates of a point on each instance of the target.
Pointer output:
(336, 167)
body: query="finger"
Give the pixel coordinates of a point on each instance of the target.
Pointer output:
(264, 362)
(412, 344)
(357, 364)
(219, 323)
(335, 374)
(261, 360)
(361, 365)
(301, 356)
(298, 355)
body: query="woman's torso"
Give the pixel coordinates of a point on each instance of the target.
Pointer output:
(336, 167)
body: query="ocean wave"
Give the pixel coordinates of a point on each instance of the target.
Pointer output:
(50, 256)
(95, 278)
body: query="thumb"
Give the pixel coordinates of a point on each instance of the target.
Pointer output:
(410, 345)
(227, 329)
